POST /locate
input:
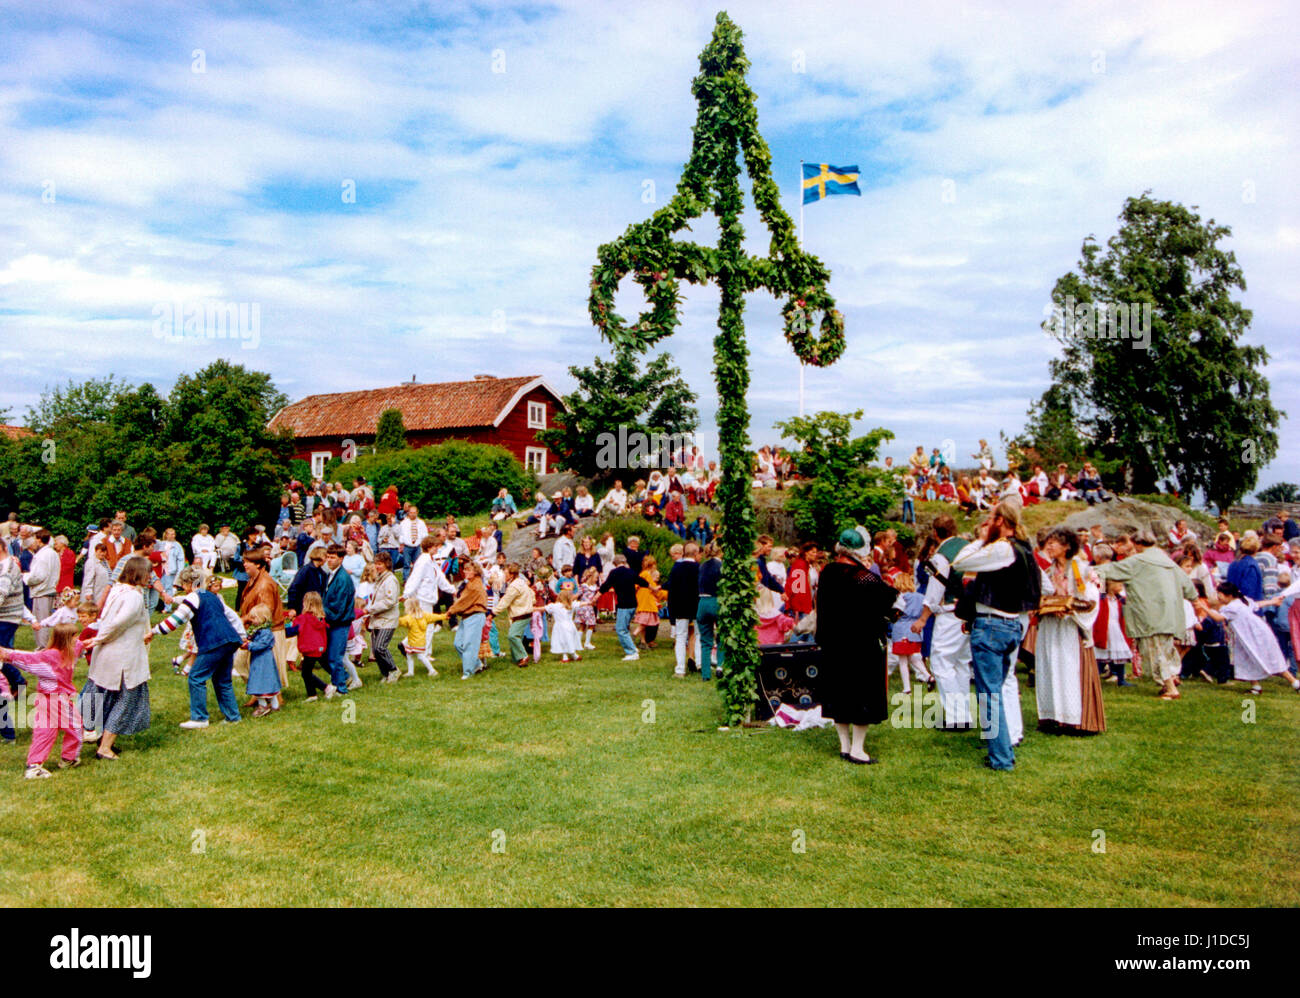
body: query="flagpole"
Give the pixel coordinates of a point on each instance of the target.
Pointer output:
(799, 192)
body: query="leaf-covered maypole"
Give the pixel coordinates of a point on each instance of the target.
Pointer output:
(726, 128)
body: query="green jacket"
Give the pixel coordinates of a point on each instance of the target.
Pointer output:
(1156, 589)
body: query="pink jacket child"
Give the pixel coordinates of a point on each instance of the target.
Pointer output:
(54, 707)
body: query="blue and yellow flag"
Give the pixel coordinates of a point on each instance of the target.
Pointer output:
(821, 180)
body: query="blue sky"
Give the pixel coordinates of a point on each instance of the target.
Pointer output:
(492, 147)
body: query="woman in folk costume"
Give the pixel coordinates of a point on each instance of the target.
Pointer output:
(854, 611)
(1256, 654)
(1068, 686)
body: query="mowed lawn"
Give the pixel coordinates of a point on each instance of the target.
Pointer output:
(589, 802)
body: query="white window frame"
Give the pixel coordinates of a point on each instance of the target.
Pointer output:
(540, 454)
(325, 456)
(537, 415)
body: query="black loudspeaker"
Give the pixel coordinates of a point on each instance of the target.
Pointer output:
(789, 674)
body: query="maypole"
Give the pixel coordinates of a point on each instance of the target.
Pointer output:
(726, 129)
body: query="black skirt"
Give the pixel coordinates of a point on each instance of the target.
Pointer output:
(853, 611)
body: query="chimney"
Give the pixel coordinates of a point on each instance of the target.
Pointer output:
(485, 377)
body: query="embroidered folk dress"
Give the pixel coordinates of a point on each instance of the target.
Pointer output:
(1067, 684)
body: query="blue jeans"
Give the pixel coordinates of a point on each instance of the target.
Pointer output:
(214, 665)
(16, 681)
(469, 635)
(909, 510)
(336, 647)
(706, 619)
(409, 553)
(993, 644)
(623, 628)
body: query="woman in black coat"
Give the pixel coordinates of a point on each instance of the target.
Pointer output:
(854, 610)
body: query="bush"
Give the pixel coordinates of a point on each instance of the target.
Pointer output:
(823, 508)
(454, 477)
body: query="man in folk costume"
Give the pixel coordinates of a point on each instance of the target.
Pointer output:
(950, 661)
(1007, 588)
(1153, 612)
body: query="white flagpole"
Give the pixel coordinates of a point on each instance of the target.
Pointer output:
(799, 193)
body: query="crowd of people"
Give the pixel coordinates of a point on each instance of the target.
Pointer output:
(341, 572)
(931, 479)
(1076, 608)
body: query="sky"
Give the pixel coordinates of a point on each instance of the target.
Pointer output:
(418, 190)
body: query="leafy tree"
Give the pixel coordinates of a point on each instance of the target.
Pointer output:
(201, 454)
(841, 488)
(75, 405)
(390, 434)
(1279, 492)
(1178, 396)
(614, 394)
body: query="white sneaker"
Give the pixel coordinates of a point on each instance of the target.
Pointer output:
(463, 676)
(355, 684)
(331, 691)
(410, 673)
(433, 673)
(679, 675)
(393, 677)
(90, 736)
(37, 773)
(632, 658)
(191, 724)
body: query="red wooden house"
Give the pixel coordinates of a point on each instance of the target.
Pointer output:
(503, 411)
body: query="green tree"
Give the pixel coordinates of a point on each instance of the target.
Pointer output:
(840, 487)
(75, 404)
(390, 434)
(614, 395)
(1178, 396)
(1279, 492)
(201, 454)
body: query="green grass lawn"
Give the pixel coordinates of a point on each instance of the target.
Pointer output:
(589, 804)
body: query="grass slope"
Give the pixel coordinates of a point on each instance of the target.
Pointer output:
(591, 805)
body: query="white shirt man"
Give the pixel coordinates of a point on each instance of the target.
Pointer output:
(615, 500)
(564, 552)
(425, 581)
(413, 530)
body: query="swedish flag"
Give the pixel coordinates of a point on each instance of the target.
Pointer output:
(821, 180)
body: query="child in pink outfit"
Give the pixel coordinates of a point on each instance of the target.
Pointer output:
(54, 707)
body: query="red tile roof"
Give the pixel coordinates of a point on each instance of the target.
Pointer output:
(16, 432)
(451, 405)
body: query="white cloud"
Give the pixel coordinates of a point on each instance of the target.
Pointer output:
(480, 191)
